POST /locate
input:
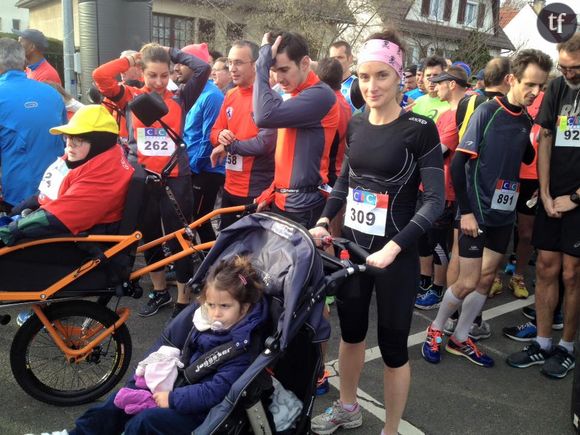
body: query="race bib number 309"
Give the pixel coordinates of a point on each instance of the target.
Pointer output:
(154, 142)
(505, 196)
(366, 211)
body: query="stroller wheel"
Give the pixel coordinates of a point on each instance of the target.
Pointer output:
(41, 368)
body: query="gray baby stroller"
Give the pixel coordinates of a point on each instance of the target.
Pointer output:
(297, 278)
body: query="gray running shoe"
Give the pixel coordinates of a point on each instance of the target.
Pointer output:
(559, 363)
(531, 355)
(450, 325)
(334, 418)
(479, 332)
(157, 299)
(476, 332)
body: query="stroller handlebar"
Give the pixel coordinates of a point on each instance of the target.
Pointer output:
(358, 262)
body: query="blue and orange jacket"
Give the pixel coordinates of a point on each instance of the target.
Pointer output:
(307, 123)
(255, 146)
(105, 78)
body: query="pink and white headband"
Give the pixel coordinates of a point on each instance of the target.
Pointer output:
(380, 50)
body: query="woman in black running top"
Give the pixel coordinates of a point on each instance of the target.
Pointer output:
(389, 153)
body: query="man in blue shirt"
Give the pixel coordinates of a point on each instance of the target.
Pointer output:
(206, 179)
(28, 109)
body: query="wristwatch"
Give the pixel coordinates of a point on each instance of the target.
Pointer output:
(575, 198)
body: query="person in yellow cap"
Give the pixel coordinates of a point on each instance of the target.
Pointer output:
(83, 190)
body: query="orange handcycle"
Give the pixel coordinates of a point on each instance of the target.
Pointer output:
(74, 350)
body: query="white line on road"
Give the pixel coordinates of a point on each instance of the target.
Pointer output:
(369, 403)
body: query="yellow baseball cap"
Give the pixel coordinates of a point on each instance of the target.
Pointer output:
(87, 119)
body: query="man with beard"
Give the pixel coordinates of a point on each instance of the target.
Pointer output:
(557, 226)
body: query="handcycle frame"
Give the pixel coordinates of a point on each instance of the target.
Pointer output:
(38, 298)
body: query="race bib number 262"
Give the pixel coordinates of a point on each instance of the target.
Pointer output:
(154, 142)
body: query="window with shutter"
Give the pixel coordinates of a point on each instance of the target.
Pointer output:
(425, 6)
(461, 12)
(447, 10)
(481, 16)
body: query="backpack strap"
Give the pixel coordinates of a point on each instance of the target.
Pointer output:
(210, 361)
(467, 117)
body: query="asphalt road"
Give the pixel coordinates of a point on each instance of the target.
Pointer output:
(454, 397)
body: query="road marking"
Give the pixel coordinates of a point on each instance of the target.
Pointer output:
(370, 404)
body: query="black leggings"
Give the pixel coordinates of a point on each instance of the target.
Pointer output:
(160, 209)
(434, 242)
(396, 290)
(206, 186)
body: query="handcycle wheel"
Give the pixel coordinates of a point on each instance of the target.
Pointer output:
(41, 369)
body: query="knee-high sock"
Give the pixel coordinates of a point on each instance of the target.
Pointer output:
(449, 305)
(472, 306)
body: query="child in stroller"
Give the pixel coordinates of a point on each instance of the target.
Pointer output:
(219, 344)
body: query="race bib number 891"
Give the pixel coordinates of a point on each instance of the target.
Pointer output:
(366, 211)
(505, 196)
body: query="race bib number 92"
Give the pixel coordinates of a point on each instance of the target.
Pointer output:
(568, 131)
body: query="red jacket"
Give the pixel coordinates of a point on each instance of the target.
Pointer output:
(151, 144)
(250, 163)
(339, 142)
(44, 72)
(93, 193)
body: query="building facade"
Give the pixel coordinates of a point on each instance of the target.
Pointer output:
(12, 17)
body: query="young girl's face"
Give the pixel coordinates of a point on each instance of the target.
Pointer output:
(222, 307)
(156, 76)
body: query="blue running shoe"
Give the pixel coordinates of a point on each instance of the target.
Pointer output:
(469, 350)
(510, 268)
(431, 348)
(422, 290)
(428, 301)
(525, 332)
(558, 321)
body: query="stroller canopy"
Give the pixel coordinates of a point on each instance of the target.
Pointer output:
(290, 267)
